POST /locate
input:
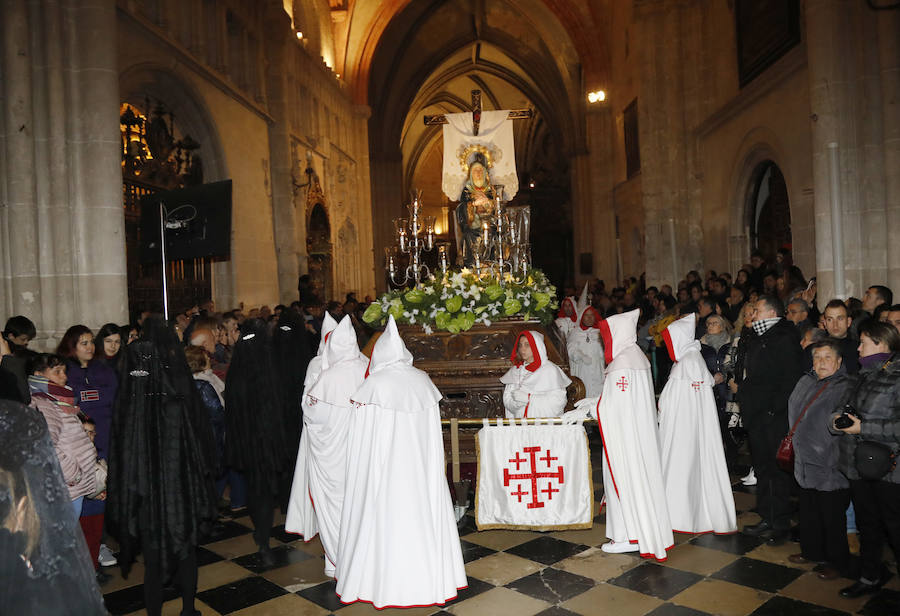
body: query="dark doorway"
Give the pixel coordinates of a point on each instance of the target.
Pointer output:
(769, 211)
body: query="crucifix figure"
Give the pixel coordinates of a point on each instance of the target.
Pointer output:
(514, 114)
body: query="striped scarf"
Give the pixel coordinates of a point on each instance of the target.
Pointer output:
(61, 394)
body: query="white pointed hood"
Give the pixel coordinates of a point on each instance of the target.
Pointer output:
(541, 374)
(391, 380)
(328, 325)
(583, 299)
(343, 367)
(315, 364)
(685, 351)
(619, 333)
(679, 337)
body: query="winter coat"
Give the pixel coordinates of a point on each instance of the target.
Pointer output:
(767, 372)
(77, 456)
(815, 447)
(875, 394)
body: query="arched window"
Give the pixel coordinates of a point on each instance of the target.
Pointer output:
(768, 210)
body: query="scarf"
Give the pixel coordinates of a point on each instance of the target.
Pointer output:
(716, 341)
(762, 326)
(208, 376)
(873, 360)
(62, 395)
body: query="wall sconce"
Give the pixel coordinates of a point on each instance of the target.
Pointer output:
(597, 96)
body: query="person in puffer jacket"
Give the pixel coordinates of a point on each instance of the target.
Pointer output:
(56, 402)
(875, 402)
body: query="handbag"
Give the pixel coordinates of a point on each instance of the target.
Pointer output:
(874, 460)
(784, 457)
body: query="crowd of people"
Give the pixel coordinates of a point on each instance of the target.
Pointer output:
(207, 412)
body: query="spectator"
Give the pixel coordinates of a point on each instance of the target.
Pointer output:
(767, 374)
(14, 357)
(797, 312)
(705, 307)
(893, 316)
(735, 302)
(714, 348)
(809, 336)
(837, 324)
(874, 409)
(108, 345)
(824, 491)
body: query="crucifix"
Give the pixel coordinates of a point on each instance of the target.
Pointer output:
(514, 114)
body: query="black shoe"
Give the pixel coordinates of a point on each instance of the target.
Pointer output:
(757, 529)
(776, 537)
(266, 558)
(860, 588)
(103, 578)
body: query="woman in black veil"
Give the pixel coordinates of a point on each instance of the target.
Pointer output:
(257, 440)
(161, 493)
(290, 354)
(45, 567)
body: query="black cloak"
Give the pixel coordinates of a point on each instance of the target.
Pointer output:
(161, 460)
(45, 566)
(256, 437)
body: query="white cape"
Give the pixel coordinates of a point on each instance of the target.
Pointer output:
(586, 356)
(632, 478)
(399, 543)
(698, 489)
(318, 490)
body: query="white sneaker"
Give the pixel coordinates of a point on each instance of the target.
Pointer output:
(106, 558)
(749, 479)
(621, 547)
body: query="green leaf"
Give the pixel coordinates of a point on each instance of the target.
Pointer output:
(454, 303)
(493, 291)
(511, 307)
(442, 320)
(414, 296)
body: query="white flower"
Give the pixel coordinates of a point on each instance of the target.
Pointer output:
(427, 329)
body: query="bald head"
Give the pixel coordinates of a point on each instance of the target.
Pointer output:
(204, 338)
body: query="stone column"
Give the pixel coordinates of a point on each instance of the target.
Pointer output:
(369, 263)
(278, 62)
(889, 55)
(64, 242)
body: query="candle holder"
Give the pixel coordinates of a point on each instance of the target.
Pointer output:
(414, 235)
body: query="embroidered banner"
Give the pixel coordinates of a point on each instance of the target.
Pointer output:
(535, 477)
(494, 141)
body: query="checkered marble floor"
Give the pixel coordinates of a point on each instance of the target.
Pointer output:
(521, 573)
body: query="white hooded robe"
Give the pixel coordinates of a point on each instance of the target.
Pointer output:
(566, 324)
(586, 358)
(318, 489)
(399, 543)
(698, 490)
(535, 390)
(635, 497)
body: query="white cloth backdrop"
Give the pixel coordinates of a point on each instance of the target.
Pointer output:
(533, 477)
(496, 133)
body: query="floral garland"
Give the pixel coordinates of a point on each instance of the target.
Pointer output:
(456, 301)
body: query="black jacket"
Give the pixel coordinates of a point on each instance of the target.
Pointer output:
(768, 371)
(850, 354)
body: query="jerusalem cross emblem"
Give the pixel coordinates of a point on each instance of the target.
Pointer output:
(532, 476)
(696, 385)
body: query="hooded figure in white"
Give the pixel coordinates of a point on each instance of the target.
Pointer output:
(586, 358)
(567, 318)
(399, 543)
(315, 364)
(318, 489)
(534, 386)
(698, 490)
(637, 519)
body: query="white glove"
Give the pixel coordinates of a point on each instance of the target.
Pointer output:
(520, 396)
(586, 406)
(574, 416)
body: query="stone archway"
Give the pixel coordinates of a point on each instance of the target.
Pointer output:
(768, 211)
(319, 249)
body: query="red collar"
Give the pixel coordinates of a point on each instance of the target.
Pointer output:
(597, 319)
(668, 338)
(562, 313)
(536, 362)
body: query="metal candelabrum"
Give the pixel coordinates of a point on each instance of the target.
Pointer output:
(415, 235)
(502, 250)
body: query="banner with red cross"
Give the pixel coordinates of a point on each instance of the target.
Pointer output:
(534, 477)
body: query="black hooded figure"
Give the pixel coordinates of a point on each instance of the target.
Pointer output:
(161, 491)
(258, 443)
(45, 566)
(290, 354)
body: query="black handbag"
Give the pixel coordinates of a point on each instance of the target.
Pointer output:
(874, 460)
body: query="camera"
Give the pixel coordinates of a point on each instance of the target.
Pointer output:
(844, 421)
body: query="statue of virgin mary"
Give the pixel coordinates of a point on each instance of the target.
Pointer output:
(475, 209)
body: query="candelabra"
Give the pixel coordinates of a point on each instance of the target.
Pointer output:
(413, 238)
(502, 250)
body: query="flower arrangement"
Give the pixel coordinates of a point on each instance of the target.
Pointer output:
(456, 301)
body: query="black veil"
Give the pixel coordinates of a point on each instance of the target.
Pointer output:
(161, 452)
(45, 567)
(256, 441)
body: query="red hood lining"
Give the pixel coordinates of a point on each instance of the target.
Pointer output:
(606, 335)
(597, 319)
(536, 363)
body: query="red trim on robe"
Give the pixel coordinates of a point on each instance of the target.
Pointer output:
(606, 335)
(400, 607)
(562, 314)
(605, 450)
(514, 358)
(669, 346)
(597, 319)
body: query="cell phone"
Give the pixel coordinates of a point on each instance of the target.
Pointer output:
(812, 281)
(843, 421)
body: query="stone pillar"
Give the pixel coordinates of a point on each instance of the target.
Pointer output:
(662, 135)
(369, 263)
(387, 204)
(889, 55)
(64, 237)
(843, 114)
(278, 48)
